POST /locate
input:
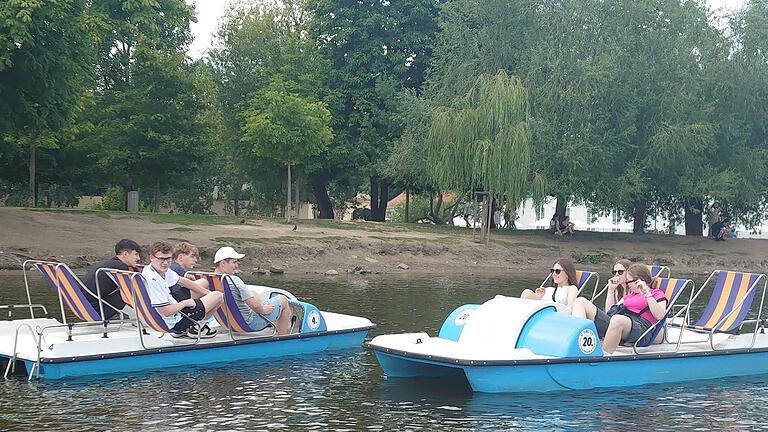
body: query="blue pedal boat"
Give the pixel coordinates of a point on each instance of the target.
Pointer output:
(49, 348)
(510, 345)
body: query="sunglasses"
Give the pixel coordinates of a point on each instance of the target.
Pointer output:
(618, 272)
(555, 271)
(632, 281)
(162, 259)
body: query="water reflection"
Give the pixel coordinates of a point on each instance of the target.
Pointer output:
(347, 391)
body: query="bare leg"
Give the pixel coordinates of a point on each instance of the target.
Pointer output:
(618, 329)
(283, 323)
(584, 308)
(211, 301)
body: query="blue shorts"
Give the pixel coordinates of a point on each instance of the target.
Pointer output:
(259, 321)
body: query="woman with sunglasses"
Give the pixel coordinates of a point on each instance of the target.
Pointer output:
(617, 287)
(641, 307)
(563, 276)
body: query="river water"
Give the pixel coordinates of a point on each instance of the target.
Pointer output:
(347, 390)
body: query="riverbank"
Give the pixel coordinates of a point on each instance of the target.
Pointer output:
(80, 238)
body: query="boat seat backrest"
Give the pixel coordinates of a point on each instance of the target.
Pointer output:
(135, 284)
(672, 288)
(658, 270)
(228, 315)
(69, 288)
(731, 288)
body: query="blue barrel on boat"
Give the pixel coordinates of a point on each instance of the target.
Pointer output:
(550, 333)
(313, 320)
(454, 324)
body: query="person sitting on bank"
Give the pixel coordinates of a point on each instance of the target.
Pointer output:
(159, 281)
(722, 229)
(127, 256)
(185, 258)
(564, 290)
(617, 288)
(256, 311)
(641, 308)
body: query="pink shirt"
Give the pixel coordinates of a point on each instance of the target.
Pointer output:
(637, 302)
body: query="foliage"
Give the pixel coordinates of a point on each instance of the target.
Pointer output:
(112, 199)
(483, 139)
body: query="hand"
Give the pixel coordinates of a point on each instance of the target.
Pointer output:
(540, 291)
(644, 288)
(189, 303)
(612, 284)
(267, 308)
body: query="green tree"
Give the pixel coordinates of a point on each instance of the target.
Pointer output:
(46, 50)
(287, 128)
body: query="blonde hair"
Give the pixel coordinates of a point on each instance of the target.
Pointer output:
(184, 248)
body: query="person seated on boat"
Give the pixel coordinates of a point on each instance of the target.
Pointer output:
(256, 311)
(185, 258)
(641, 308)
(564, 290)
(159, 281)
(617, 287)
(127, 255)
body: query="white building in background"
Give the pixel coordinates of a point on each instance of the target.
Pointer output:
(530, 217)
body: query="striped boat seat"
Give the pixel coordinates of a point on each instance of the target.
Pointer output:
(228, 315)
(730, 301)
(70, 290)
(658, 270)
(134, 283)
(583, 278)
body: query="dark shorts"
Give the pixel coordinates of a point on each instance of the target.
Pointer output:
(639, 326)
(181, 294)
(196, 313)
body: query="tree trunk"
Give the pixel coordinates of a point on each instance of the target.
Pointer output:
(298, 200)
(379, 198)
(236, 189)
(693, 210)
(157, 196)
(32, 173)
(321, 197)
(560, 206)
(638, 214)
(407, 203)
(288, 204)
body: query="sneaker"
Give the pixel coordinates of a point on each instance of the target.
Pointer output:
(178, 335)
(206, 332)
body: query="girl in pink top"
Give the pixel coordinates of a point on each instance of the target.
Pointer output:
(646, 307)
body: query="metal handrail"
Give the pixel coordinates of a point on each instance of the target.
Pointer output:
(11, 307)
(11, 367)
(670, 306)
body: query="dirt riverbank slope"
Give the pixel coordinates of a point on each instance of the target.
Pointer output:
(81, 238)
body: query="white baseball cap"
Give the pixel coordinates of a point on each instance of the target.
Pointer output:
(226, 252)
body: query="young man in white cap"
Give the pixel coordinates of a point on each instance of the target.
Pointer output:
(257, 312)
(159, 281)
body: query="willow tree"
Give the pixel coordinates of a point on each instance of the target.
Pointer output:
(484, 140)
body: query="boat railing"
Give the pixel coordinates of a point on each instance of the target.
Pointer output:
(671, 306)
(736, 308)
(37, 337)
(11, 307)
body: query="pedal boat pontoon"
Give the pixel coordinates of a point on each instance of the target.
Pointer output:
(510, 345)
(47, 348)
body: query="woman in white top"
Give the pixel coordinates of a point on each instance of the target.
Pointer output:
(564, 290)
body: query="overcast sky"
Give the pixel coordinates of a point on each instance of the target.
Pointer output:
(210, 11)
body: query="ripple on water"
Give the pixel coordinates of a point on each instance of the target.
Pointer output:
(346, 391)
